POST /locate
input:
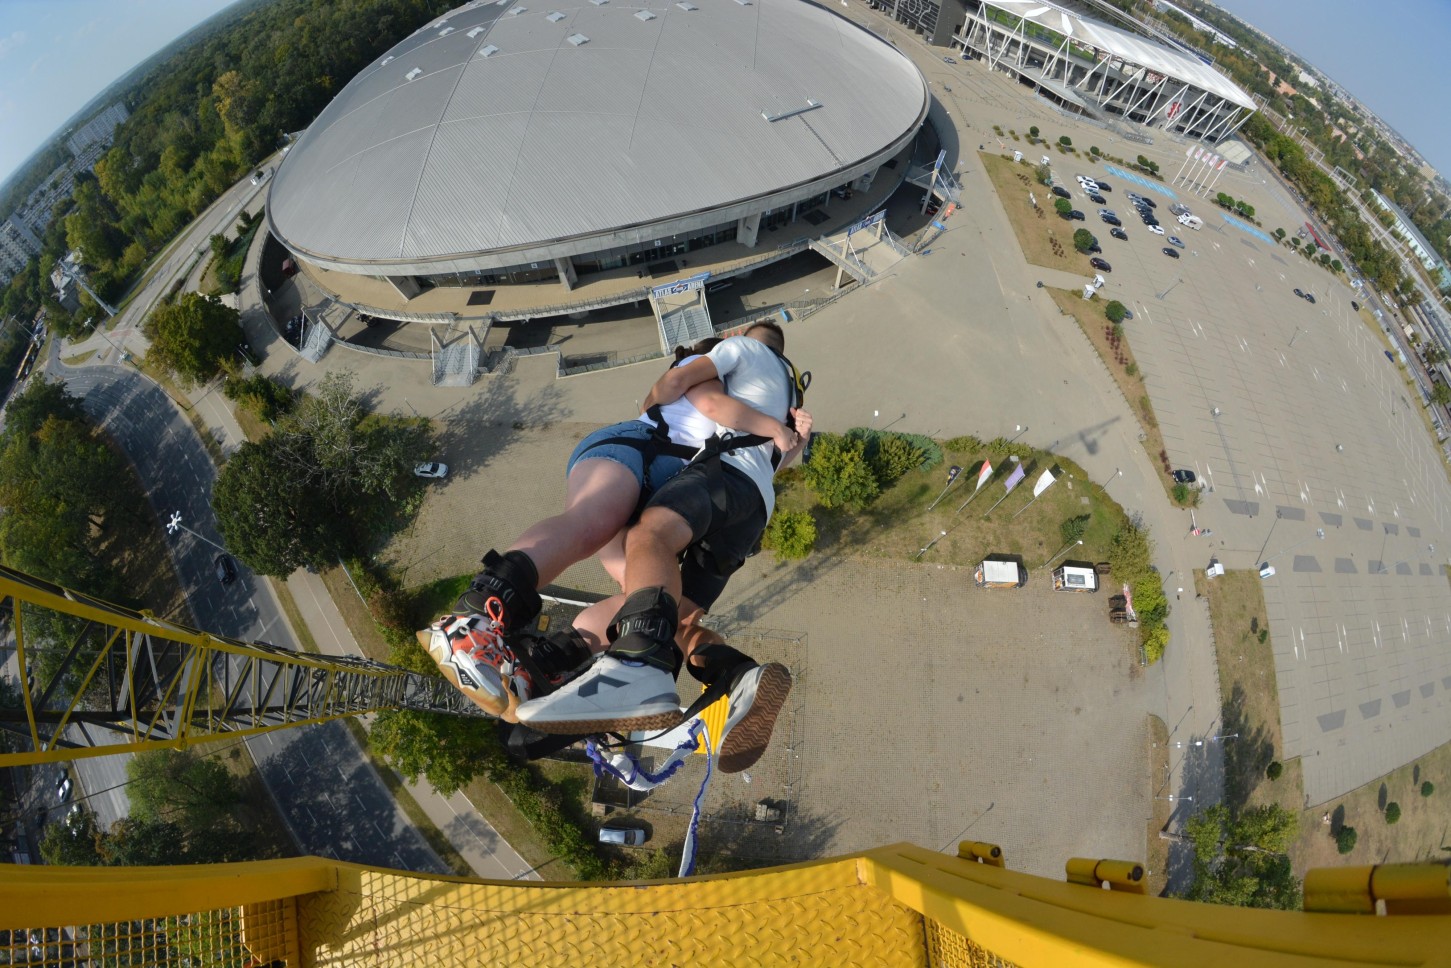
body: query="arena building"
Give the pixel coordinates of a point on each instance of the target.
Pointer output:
(525, 157)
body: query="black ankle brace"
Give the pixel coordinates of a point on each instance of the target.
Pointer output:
(559, 651)
(513, 580)
(644, 630)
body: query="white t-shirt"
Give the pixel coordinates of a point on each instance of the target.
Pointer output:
(687, 425)
(756, 376)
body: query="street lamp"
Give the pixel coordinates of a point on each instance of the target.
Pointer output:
(1064, 549)
(173, 524)
(1104, 486)
(1318, 536)
(1174, 799)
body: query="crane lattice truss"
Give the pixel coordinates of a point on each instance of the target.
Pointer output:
(96, 679)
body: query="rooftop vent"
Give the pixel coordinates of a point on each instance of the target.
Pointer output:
(578, 40)
(644, 15)
(413, 74)
(810, 106)
(488, 51)
(687, 6)
(555, 17)
(474, 33)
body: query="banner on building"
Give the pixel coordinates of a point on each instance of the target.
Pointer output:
(680, 286)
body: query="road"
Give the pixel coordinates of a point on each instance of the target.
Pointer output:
(356, 819)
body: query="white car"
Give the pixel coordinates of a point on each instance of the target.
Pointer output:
(433, 470)
(1156, 229)
(63, 789)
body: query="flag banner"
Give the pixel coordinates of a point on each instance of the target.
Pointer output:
(1189, 152)
(1015, 478)
(952, 473)
(1220, 166)
(1198, 153)
(1045, 481)
(983, 475)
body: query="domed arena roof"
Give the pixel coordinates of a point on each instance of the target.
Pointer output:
(505, 125)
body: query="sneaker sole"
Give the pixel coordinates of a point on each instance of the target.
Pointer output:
(582, 727)
(502, 708)
(745, 744)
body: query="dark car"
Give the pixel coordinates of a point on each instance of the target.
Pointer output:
(1148, 201)
(1310, 298)
(1170, 251)
(1104, 186)
(1119, 234)
(1355, 305)
(1100, 265)
(1300, 294)
(1111, 219)
(1184, 477)
(1096, 197)
(1077, 216)
(226, 569)
(1094, 247)
(1062, 192)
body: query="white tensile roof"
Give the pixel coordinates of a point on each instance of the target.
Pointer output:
(1130, 47)
(513, 123)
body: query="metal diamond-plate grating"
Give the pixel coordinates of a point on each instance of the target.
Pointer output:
(948, 949)
(385, 919)
(200, 938)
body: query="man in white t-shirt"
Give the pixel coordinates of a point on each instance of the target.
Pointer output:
(695, 532)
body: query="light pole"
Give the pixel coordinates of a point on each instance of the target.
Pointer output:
(1020, 430)
(940, 536)
(1104, 486)
(1318, 536)
(174, 523)
(1175, 799)
(1065, 548)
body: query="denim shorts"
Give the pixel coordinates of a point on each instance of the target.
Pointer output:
(661, 469)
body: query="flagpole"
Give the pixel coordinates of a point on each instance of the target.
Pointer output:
(1000, 501)
(952, 476)
(1024, 507)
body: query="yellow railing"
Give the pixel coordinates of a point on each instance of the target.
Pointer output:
(898, 905)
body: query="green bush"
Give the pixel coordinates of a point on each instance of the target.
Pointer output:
(1156, 640)
(1044, 174)
(791, 534)
(1062, 206)
(1274, 770)
(1073, 528)
(1094, 151)
(1428, 788)
(262, 395)
(1393, 812)
(1181, 493)
(838, 472)
(1345, 840)
(1264, 635)
(966, 444)
(1115, 311)
(1132, 369)
(1033, 130)
(1066, 141)
(1083, 240)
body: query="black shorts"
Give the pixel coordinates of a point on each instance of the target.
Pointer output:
(721, 541)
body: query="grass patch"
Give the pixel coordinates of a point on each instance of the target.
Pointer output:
(1249, 694)
(78, 359)
(409, 806)
(1156, 848)
(898, 524)
(1045, 238)
(1118, 358)
(356, 614)
(253, 427)
(1423, 832)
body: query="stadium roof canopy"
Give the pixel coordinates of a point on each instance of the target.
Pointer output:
(1130, 47)
(502, 125)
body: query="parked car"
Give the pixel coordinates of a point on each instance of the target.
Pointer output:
(1076, 215)
(63, 788)
(1104, 186)
(1100, 265)
(432, 470)
(627, 836)
(1094, 248)
(1110, 219)
(226, 569)
(1119, 234)
(1170, 251)
(1355, 305)
(1310, 298)
(949, 60)
(1174, 240)
(1299, 293)
(1062, 192)
(1184, 477)
(1156, 229)
(1128, 314)
(1096, 198)
(1148, 201)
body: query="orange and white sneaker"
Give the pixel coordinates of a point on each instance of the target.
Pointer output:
(471, 652)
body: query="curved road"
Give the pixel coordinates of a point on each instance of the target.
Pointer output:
(325, 788)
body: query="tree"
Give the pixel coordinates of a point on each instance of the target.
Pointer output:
(1345, 839)
(194, 335)
(1044, 174)
(1336, 266)
(447, 750)
(1115, 311)
(274, 514)
(1073, 528)
(178, 785)
(1083, 240)
(1279, 234)
(1441, 394)
(1033, 131)
(1275, 770)
(791, 534)
(1062, 206)
(838, 472)
(1066, 141)
(1241, 860)
(1393, 812)
(1427, 788)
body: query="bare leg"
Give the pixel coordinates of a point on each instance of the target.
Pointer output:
(594, 620)
(602, 493)
(612, 558)
(650, 550)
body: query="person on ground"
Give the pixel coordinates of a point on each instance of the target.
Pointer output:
(483, 647)
(694, 533)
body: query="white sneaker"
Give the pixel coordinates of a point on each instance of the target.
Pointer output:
(613, 696)
(756, 701)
